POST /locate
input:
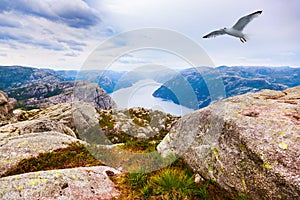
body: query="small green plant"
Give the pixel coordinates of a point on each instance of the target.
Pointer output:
(173, 182)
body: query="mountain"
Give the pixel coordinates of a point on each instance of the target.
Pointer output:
(105, 79)
(13, 77)
(49, 94)
(187, 87)
(112, 81)
(18, 76)
(236, 80)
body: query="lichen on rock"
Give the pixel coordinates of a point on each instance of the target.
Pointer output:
(247, 144)
(75, 183)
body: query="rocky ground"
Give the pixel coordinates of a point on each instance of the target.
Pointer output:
(45, 156)
(247, 144)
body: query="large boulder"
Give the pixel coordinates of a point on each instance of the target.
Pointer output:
(72, 115)
(247, 144)
(15, 148)
(76, 183)
(6, 107)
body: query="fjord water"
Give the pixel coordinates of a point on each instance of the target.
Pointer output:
(140, 95)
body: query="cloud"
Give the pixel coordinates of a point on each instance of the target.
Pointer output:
(75, 13)
(195, 18)
(7, 22)
(8, 37)
(71, 54)
(72, 44)
(64, 33)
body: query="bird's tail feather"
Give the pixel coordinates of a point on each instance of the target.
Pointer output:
(247, 37)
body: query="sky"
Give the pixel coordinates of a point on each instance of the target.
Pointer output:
(66, 34)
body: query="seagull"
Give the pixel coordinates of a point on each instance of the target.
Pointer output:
(237, 29)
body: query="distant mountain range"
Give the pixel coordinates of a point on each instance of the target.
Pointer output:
(12, 77)
(236, 80)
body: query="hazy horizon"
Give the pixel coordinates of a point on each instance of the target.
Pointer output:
(127, 70)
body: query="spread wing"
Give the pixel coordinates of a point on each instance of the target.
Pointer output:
(215, 33)
(242, 22)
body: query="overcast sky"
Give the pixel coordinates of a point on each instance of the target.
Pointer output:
(62, 34)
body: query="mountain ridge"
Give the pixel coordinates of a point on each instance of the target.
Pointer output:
(236, 80)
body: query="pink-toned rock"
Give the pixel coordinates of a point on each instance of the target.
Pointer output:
(77, 183)
(248, 144)
(6, 107)
(15, 148)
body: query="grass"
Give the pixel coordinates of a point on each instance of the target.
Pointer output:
(76, 155)
(173, 182)
(140, 146)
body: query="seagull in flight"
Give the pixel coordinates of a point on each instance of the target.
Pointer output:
(237, 29)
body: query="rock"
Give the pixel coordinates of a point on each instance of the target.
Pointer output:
(137, 122)
(247, 144)
(15, 148)
(6, 107)
(35, 126)
(92, 93)
(64, 113)
(76, 183)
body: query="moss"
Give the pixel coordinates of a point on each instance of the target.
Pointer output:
(244, 184)
(106, 121)
(207, 126)
(76, 155)
(242, 148)
(140, 146)
(140, 122)
(266, 165)
(215, 152)
(116, 137)
(281, 133)
(283, 145)
(141, 113)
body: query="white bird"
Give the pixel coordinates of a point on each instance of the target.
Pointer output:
(237, 29)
